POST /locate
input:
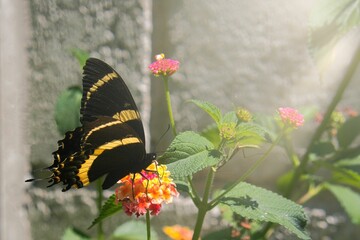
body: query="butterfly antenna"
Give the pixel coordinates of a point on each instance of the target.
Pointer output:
(162, 136)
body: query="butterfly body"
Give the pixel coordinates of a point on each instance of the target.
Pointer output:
(111, 140)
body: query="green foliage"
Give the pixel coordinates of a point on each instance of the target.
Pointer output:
(74, 234)
(323, 148)
(348, 132)
(189, 153)
(262, 205)
(212, 134)
(213, 111)
(108, 209)
(132, 230)
(67, 110)
(80, 55)
(329, 22)
(347, 171)
(348, 199)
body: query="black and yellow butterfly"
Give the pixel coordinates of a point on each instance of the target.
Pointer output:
(111, 140)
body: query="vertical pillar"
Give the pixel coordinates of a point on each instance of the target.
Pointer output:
(14, 161)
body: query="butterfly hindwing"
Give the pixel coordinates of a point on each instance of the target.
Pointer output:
(116, 150)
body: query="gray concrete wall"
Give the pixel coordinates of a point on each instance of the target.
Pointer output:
(14, 151)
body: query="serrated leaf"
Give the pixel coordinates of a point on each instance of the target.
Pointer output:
(74, 234)
(348, 199)
(230, 117)
(250, 134)
(322, 148)
(262, 205)
(67, 110)
(189, 153)
(213, 111)
(132, 230)
(348, 132)
(108, 209)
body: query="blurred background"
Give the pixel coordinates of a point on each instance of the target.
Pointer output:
(255, 54)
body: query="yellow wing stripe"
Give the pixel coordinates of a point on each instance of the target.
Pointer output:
(85, 167)
(127, 115)
(100, 127)
(100, 82)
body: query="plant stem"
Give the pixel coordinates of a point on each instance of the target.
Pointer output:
(321, 129)
(148, 229)
(312, 192)
(100, 231)
(203, 206)
(193, 193)
(214, 202)
(168, 101)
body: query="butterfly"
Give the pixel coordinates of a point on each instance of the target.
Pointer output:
(111, 140)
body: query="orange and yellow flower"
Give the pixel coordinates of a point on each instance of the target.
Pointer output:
(178, 232)
(146, 191)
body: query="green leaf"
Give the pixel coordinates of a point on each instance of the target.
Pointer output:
(213, 111)
(108, 209)
(250, 134)
(67, 110)
(283, 181)
(132, 230)
(348, 199)
(262, 205)
(212, 134)
(80, 55)
(352, 162)
(189, 153)
(322, 148)
(182, 186)
(348, 132)
(229, 117)
(346, 176)
(329, 22)
(74, 234)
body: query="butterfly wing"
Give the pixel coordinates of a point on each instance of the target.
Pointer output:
(106, 94)
(111, 140)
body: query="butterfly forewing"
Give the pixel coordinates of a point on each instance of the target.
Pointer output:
(105, 94)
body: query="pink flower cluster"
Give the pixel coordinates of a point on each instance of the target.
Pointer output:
(164, 66)
(291, 117)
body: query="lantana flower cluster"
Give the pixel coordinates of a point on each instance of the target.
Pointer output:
(164, 66)
(144, 192)
(291, 117)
